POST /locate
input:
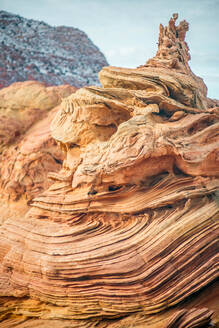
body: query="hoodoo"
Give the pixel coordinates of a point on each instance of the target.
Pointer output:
(126, 234)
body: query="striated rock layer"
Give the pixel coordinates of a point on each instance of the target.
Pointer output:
(126, 234)
(27, 150)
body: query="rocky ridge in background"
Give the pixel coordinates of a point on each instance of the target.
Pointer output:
(126, 236)
(34, 50)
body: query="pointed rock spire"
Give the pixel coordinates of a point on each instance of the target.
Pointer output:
(173, 51)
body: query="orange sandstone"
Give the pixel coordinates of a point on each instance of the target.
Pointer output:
(27, 150)
(126, 234)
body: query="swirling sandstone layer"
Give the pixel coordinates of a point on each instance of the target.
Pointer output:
(126, 234)
(27, 150)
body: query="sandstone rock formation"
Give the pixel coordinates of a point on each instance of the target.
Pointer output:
(126, 234)
(27, 150)
(33, 50)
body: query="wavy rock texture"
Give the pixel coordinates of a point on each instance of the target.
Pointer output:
(27, 150)
(126, 235)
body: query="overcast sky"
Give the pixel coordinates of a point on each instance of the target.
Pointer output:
(126, 31)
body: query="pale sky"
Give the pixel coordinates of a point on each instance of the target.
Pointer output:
(126, 31)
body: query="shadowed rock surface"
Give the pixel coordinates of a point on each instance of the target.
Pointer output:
(126, 234)
(34, 50)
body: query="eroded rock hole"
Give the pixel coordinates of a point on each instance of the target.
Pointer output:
(114, 188)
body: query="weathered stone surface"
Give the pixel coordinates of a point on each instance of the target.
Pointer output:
(126, 234)
(34, 50)
(27, 151)
(24, 103)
